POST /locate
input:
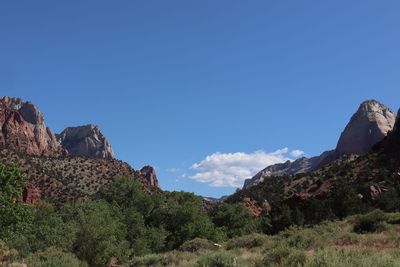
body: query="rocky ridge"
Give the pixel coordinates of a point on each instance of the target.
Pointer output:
(369, 125)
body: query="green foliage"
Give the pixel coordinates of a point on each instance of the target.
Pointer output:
(247, 241)
(284, 255)
(333, 257)
(50, 230)
(12, 183)
(183, 218)
(197, 244)
(370, 222)
(235, 219)
(221, 259)
(7, 255)
(100, 232)
(53, 257)
(15, 218)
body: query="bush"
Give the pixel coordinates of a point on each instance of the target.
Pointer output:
(370, 222)
(197, 244)
(224, 259)
(7, 255)
(53, 257)
(284, 255)
(248, 241)
(147, 260)
(331, 257)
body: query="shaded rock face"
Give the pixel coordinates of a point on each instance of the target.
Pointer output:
(87, 140)
(151, 176)
(369, 125)
(23, 129)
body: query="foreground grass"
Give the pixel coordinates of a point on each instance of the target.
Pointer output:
(370, 240)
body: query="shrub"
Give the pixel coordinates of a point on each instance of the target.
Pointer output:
(197, 244)
(284, 255)
(370, 222)
(7, 255)
(248, 241)
(224, 259)
(147, 260)
(53, 257)
(331, 257)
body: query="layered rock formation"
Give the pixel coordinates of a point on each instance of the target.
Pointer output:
(23, 129)
(87, 140)
(369, 125)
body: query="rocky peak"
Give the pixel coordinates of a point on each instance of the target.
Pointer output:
(86, 140)
(23, 129)
(151, 176)
(369, 125)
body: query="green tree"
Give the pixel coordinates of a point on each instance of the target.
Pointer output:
(15, 217)
(235, 219)
(101, 232)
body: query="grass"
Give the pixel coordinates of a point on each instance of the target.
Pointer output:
(329, 244)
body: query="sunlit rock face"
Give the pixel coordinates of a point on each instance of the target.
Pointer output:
(23, 129)
(369, 125)
(87, 140)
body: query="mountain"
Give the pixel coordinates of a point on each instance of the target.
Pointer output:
(23, 129)
(72, 169)
(87, 140)
(365, 181)
(368, 125)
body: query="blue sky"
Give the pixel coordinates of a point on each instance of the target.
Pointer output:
(174, 82)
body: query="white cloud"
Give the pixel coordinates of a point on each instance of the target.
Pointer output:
(231, 169)
(297, 153)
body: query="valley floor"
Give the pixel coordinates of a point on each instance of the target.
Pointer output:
(370, 240)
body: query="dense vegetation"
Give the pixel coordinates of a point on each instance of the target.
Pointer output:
(119, 222)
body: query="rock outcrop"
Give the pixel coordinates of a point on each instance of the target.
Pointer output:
(151, 176)
(369, 125)
(23, 129)
(87, 140)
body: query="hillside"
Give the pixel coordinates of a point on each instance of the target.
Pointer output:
(365, 181)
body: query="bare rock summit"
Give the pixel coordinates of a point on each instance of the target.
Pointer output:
(369, 125)
(87, 140)
(23, 129)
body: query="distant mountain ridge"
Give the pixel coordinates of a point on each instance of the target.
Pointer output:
(368, 125)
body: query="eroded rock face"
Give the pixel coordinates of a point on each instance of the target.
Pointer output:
(87, 140)
(23, 129)
(150, 175)
(369, 125)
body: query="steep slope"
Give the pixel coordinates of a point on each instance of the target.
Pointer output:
(368, 125)
(87, 140)
(23, 129)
